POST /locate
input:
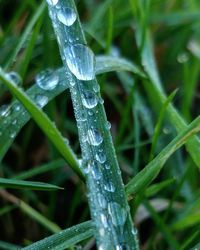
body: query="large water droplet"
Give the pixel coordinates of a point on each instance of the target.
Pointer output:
(4, 111)
(52, 2)
(94, 168)
(100, 157)
(89, 99)
(41, 100)
(94, 137)
(81, 61)
(109, 187)
(117, 213)
(67, 16)
(47, 80)
(14, 77)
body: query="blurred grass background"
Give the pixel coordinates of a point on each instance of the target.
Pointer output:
(168, 216)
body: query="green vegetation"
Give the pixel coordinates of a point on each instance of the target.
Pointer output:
(147, 64)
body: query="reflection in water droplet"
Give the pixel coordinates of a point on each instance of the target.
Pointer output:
(101, 200)
(41, 100)
(14, 77)
(81, 61)
(52, 2)
(109, 187)
(89, 99)
(4, 111)
(100, 157)
(117, 213)
(94, 168)
(47, 80)
(67, 16)
(94, 137)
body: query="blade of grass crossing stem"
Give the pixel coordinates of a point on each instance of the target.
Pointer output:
(159, 123)
(94, 135)
(64, 239)
(17, 184)
(25, 35)
(44, 123)
(149, 173)
(104, 64)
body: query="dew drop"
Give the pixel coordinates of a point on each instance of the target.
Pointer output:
(94, 137)
(41, 100)
(122, 247)
(47, 80)
(94, 168)
(89, 99)
(134, 231)
(100, 157)
(107, 166)
(108, 125)
(117, 213)
(4, 111)
(81, 61)
(52, 2)
(101, 200)
(67, 16)
(109, 187)
(14, 77)
(96, 87)
(104, 220)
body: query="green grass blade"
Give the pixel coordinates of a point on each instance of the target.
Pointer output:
(94, 135)
(64, 239)
(149, 173)
(159, 122)
(18, 184)
(44, 123)
(39, 170)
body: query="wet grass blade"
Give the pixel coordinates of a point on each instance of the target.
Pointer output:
(8, 246)
(64, 239)
(45, 124)
(18, 184)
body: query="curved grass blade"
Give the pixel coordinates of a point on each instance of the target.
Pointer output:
(11, 125)
(44, 123)
(64, 239)
(18, 184)
(149, 173)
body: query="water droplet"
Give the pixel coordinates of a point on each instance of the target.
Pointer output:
(108, 125)
(94, 137)
(101, 200)
(100, 157)
(52, 2)
(17, 107)
(122, 247)
(102, 232)
(104, 220)
(41, 100)
(14, 121)
(14, 77)
(183, 57)
(134, 231)
(67, 16)
(47, 80)
(109, 187)
(12, 134)
(89, 99)
(117, 213)
(107, 166)
(94, 168)
(4, 111)
(96, 87)
(81, 116)
(81, 61)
